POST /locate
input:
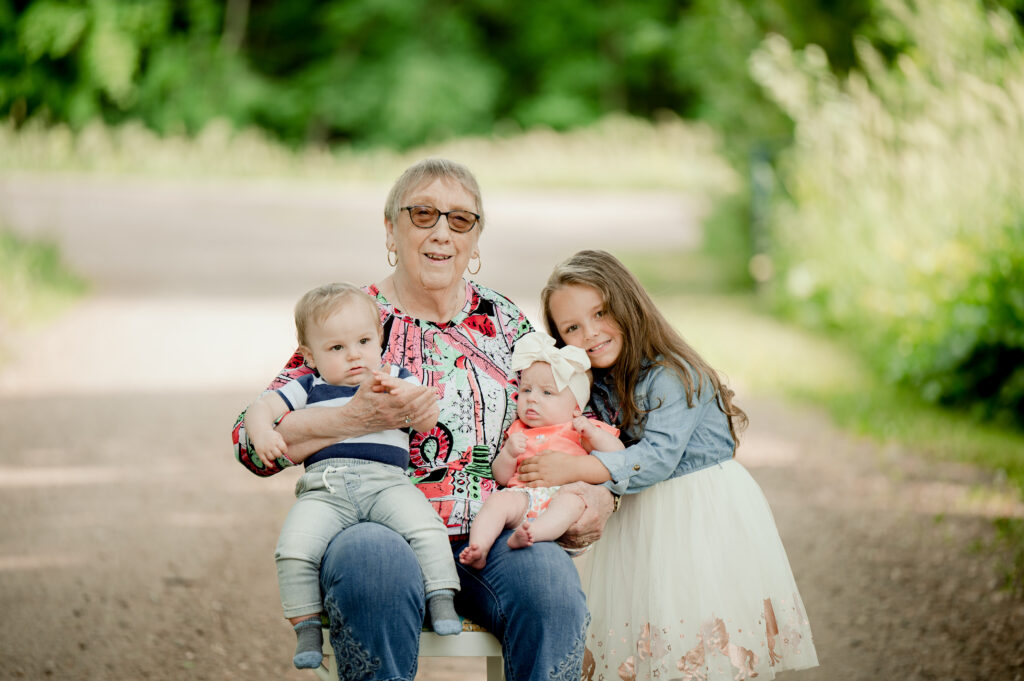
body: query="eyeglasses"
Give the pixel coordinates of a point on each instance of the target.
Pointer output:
(426, 217)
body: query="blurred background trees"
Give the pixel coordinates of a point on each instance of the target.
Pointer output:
(880, 142)
(402, 72)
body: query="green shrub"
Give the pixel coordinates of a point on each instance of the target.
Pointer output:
(34, 282)
(902, 218)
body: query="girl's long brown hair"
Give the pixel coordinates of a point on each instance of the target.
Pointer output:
(647, 336)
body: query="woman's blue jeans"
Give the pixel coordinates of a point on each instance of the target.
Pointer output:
(530, 599)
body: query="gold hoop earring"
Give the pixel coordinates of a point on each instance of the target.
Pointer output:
(479, 263)
(395, 263)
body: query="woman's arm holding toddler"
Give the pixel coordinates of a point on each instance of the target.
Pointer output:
(383, 407)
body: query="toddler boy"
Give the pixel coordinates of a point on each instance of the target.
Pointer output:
(340, 335)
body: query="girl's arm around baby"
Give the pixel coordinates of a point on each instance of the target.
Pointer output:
(553, 467)
(667, 427)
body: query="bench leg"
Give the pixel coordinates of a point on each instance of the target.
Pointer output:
(495, 669)
(328, 670)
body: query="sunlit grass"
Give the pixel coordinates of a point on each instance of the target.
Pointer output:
(34, 283)
(618, 152)
(759, 353)
(1010, 538)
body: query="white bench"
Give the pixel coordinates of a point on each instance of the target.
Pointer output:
(474, 641)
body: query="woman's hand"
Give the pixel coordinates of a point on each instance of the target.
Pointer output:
(386, 403)
(392, 403)
(588, 528)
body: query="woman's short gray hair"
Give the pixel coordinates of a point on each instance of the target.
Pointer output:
(432, 169)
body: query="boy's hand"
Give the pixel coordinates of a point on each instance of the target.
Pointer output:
(269, 446)
(381, 381)
(377, 377)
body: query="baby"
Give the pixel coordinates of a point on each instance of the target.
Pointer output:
(340, 336)
(554, 387)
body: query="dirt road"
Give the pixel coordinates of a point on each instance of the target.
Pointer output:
(134, 546)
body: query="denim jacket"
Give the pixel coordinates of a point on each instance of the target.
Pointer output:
(672, 439)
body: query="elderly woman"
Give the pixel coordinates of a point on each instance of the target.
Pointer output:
(456, 336)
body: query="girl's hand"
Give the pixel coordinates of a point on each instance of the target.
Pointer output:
(552, 467)
(547, 469)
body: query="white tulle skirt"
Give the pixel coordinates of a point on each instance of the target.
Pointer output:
(690, 581)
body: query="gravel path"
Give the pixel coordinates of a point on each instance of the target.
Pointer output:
(135, 547)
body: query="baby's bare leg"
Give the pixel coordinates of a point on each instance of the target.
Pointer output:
(502, 509)
(563, 510)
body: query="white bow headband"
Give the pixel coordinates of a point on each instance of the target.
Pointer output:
(569, 365)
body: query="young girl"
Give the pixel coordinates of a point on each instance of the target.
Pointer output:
(554, 388)
(690, 579)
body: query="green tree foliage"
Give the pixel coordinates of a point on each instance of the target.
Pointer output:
(73, 60)
(903, 220)
(899, 219)
(395, 72)
(411, 71)
(399, 72)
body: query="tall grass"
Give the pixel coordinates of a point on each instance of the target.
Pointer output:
(900, 215)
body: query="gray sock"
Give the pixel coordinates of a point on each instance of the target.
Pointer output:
(309, 644)
(443, 617)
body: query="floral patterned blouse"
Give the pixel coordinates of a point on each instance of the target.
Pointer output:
(467, 360)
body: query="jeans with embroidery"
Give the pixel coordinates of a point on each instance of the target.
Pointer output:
(530, 599)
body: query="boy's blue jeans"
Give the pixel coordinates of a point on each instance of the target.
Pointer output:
(530, 599)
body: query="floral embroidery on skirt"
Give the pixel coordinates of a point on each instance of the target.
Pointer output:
(690, 582)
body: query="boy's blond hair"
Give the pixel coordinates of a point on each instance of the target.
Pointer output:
(321, 302)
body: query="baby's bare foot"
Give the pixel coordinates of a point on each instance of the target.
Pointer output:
(473, 557)
(521, 538)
